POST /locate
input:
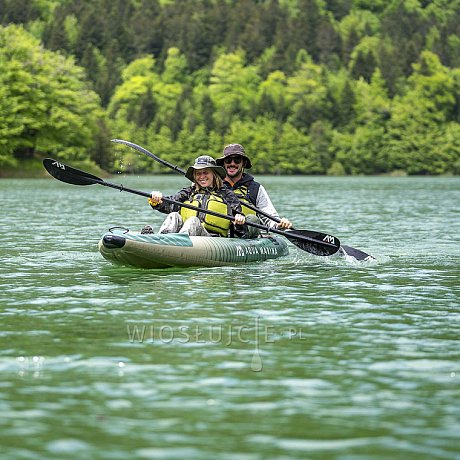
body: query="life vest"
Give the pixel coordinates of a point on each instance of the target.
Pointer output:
(211, 201)
(246, 189)
(243, 196)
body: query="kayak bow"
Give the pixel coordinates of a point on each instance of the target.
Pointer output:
(134, 249)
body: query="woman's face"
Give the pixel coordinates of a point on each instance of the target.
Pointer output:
(203, 177)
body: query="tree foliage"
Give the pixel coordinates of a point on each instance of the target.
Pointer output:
(46, 105)
(308, 86)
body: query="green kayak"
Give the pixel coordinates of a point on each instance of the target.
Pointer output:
(123, 247)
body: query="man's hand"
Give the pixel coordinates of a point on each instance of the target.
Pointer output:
(240, 219)
(285, 223)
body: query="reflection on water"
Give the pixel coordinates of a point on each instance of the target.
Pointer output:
(301, 357)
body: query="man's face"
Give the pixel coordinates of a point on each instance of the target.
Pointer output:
(234, 165)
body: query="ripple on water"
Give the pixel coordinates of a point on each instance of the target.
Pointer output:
(356, 360)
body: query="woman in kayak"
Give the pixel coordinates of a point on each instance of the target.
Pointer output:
(207, 192)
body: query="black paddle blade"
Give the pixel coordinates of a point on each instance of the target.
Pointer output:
(325, 245)
(356, 253)
(70, 175)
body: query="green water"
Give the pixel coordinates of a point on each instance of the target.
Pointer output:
(302, 357)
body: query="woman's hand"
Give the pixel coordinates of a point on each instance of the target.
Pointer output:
(240, 219)
(156, 198)
(285, 223)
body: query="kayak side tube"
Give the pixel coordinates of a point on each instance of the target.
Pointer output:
(181, 250)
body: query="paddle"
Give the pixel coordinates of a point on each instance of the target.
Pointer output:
(149, 154)
(308, 241)
(348, 250)
(182, 171)
(309, 233)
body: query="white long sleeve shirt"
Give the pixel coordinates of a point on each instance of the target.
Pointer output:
(264, 203)
(261, 200)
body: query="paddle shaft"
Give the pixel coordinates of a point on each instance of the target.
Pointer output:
(149, 154)
(217, 214)
(74, 176)
(246, 203)
(182, 171)
(359, 255)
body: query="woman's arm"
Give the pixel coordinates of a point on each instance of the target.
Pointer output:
(166, 207)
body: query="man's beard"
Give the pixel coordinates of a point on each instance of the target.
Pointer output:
(236, 173)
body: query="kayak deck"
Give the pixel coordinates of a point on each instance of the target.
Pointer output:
(133, 249)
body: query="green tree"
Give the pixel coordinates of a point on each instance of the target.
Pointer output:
(421, 119)
(354, 27)
(320, 136)
(18, 11)
(271, 96)
(275, 148)
(405, 23)
(233, 88)
(307, 93)
(168, 92)
(133, 99)
(335, 79)
(145, 23)
(363, 149)
(199, 109)
(259, 138)
(47, 105)
(295, 152)
(372, 102)
(364, 58)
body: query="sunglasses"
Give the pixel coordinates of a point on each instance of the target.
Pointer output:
(237, 160)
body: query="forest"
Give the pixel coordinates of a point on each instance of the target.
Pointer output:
(338, 87)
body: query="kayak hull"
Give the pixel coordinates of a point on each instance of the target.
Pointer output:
(133, 249)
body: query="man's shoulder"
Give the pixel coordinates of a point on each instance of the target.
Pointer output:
(248, 180)
(247, 177)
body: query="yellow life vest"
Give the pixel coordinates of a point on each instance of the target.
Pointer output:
(212, 202)
(243, 193)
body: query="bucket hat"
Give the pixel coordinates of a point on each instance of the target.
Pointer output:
(234, 149)
(202, 162)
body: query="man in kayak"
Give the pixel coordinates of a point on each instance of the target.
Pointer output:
(235, 161)
(207, 192)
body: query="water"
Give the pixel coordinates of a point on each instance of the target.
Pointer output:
(302, 357)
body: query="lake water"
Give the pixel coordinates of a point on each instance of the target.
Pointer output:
(302, 357)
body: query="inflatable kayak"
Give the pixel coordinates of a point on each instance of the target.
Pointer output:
(123, 247)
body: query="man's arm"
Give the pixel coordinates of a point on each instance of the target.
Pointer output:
(264, 203)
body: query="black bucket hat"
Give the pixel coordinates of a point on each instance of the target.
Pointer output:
(234, 149)
(203, 162)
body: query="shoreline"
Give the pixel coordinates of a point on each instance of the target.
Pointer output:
(33, 169)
